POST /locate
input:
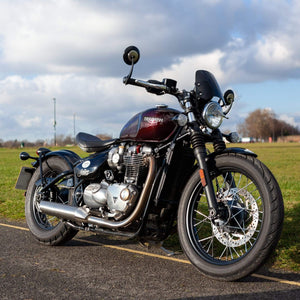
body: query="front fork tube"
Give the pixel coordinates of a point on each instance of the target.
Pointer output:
(200, 154)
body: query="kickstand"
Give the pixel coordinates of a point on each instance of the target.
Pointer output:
(148, 245)
(168, 252)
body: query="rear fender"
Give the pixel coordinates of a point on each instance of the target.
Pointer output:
(26, 173)
(68, 156)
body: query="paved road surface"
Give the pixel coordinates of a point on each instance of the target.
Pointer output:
(95, 267)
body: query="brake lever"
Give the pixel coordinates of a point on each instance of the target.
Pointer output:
(154, 90)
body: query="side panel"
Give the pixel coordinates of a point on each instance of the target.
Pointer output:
(90, 166)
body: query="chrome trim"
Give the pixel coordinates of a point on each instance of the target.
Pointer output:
(63, 211)
(147, 84)
(191, 116)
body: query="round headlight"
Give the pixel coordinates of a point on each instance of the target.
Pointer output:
(213, 115)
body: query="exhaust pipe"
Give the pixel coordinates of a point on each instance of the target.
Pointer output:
(64, 211)
(71, 213)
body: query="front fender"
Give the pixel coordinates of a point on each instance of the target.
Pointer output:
(212, 157)
(236, 150)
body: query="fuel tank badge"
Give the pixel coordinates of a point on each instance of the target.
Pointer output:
(153, 120)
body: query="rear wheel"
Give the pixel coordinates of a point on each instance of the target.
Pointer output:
(47, 229)
(250, 222)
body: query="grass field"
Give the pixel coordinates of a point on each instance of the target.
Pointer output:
(282, 159)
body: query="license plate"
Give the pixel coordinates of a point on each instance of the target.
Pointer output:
(24, 178)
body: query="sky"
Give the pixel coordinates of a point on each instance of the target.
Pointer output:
(71, 50)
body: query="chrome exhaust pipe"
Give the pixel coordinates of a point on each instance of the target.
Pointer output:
(63, 211)
(71, 213)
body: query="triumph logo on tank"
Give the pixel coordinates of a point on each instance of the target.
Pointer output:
(153, 120)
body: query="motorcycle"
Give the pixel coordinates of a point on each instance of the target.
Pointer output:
(159, 177)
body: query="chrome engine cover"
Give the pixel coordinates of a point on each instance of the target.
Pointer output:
(94, 195)
(114, 199)
(118, 198)
(121, 198)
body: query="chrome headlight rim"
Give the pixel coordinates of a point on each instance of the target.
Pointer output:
(213, 115)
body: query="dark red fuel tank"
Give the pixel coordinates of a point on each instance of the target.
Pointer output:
(152, 125)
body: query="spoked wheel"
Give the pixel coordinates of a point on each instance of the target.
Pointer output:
(44, 221)
(47, 229)
(249, 223)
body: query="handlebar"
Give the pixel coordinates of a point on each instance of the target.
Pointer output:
(168, 86)
(145, 84)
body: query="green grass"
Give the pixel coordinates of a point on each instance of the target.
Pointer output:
(282, 159)
(12, 200)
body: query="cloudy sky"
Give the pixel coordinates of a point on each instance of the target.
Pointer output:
(72, 50)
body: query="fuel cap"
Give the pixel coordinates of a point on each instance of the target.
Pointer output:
(161, 106)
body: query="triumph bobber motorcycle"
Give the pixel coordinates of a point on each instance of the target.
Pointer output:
(159, 177)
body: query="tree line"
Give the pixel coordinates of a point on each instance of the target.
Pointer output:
(260, 125)
(61, 141)
(263, 123)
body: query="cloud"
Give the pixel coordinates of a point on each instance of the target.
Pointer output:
(292, 119)
(87, 37)
(25, 122)
(72, 50)
(184, 70)
(265, 47)
(101, 105)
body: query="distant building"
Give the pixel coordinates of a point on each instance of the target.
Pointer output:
(289, 139)
(247, 140)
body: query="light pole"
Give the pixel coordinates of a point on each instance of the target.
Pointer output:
(74, 116)
(54, 122)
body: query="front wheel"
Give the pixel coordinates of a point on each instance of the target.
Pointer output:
(250, 218)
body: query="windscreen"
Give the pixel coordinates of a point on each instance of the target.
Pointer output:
(206, 86)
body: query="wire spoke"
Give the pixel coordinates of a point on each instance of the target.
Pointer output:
(242, 207)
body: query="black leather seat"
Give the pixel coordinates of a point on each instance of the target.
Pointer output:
(91, 143)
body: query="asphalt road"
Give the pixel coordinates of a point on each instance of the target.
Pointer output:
(95, 267)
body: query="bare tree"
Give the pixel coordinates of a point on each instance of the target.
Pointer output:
(262, 124)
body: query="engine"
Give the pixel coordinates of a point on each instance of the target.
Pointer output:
(116, 195)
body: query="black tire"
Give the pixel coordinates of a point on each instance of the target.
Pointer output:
(46, 229)
(253, 207)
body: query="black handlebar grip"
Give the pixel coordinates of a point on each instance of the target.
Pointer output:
(127, 80)
(155, 90)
